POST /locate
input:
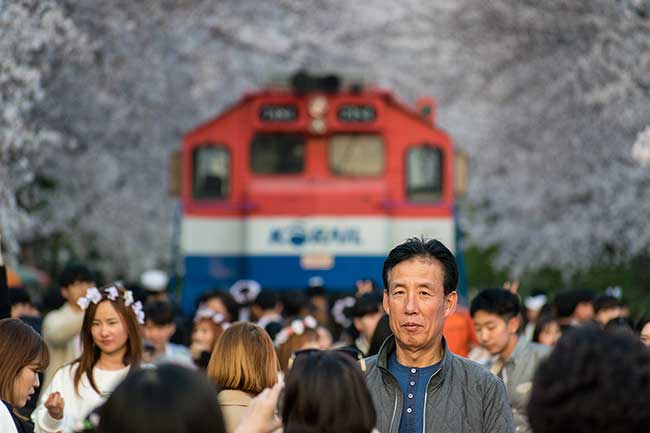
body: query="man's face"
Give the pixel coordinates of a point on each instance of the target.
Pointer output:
(416, 303)
(494, 332)
(584, 311)
(158, 335)
(76, 290)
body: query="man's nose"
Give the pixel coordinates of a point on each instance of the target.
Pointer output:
(411, 303)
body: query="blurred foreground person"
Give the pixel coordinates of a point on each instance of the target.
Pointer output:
(325, 391)
(167, 399)
(594, 381)
(497, 320)
(23, 354)
(416, 382)
(242, 365)
(112, 346)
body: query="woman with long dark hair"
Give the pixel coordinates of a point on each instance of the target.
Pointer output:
(111, 347)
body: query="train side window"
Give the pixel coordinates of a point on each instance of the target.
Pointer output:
(359, 155)
(211, 172)
(277, 154)
(424, 174)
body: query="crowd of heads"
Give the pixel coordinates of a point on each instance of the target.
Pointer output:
(252, 340)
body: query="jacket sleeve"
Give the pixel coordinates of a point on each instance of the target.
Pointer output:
(59, 327)
(497, 416)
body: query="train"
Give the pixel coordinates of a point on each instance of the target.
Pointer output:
(319, 176)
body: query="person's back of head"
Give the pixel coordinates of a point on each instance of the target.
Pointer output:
(593, 381)
(326, 391)
(565, 302)
(162, 400)
(244, 359)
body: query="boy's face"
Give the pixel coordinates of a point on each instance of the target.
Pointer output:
(76, 290)
(494, 332)
(158, 335)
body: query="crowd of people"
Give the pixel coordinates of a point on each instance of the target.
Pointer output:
(405, 357)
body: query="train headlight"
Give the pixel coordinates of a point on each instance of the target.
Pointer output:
(318, 126)
(317, 107)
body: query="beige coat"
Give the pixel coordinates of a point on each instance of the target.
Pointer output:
(61, 332)
(233, 405)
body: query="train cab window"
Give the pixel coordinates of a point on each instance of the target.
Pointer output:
(277, 154)
(358, 155)
(424, 174)
(211, 172)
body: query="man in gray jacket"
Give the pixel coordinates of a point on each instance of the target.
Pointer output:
(416, 383)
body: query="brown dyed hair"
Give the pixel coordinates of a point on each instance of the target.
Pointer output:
(217, 328)
(294, 343)
(20, 346)
(90, 353)
(244, 359)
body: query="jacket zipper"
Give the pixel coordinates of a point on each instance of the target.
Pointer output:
(392, 419)
(426, 393)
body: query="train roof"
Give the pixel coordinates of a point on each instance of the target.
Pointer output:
(354, 91)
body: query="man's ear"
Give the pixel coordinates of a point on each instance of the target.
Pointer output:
(385, 303)
(451, 300)
(513, 324)
(65, 292)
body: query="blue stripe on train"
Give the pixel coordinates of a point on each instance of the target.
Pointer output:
(277, 273)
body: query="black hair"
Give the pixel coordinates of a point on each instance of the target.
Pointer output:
(382, 332)
(606, 302)
(543, 321)
(267, 300)
(226, 298)
(501, 302)
(345, 407)
(294, 302)
(426, 249)
(156, 400)
(565, 303)
(18, 295)
(593, 381)
(75, 273)
(640, 324)
(620, 324)
(368, 303)
(160, 313)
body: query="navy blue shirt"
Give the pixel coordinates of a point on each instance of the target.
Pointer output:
(413, 382)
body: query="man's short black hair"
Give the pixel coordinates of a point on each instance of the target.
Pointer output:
(606, 302)
(566, 301)
(426, 249)
(160, 313)
(593, 381)
(501, 302)
(267, 300)
(75, 273)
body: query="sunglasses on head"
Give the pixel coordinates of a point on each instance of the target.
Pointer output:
(351, 354)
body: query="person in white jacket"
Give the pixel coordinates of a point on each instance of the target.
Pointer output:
(111, 347)
(23, 354)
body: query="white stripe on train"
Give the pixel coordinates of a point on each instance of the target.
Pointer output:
(203, 236)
